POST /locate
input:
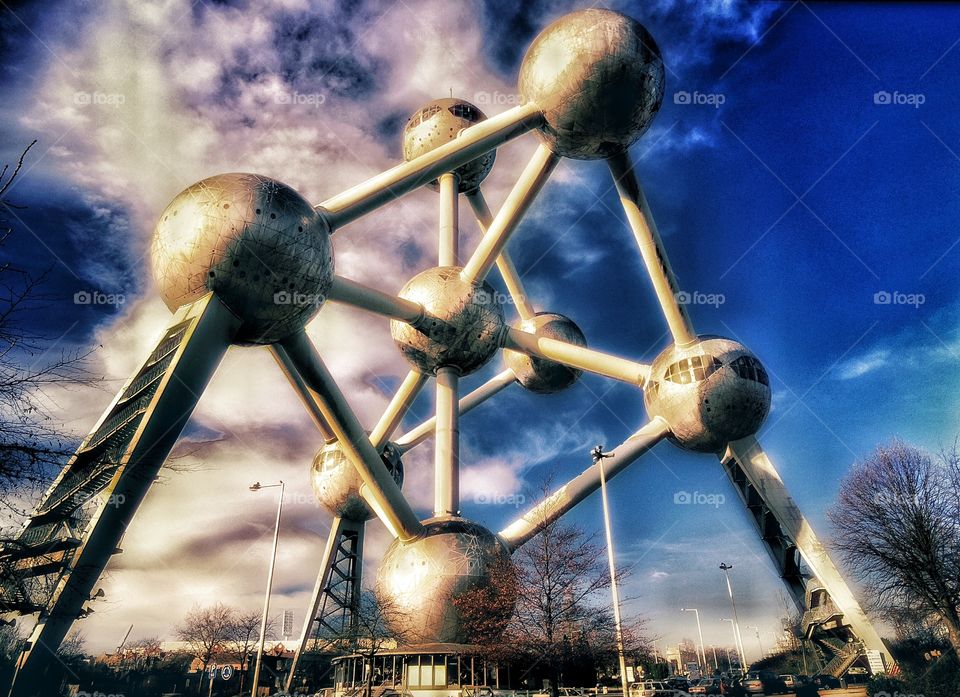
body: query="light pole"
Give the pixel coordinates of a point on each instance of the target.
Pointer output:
(716, 663)
(759, 643)
(733, 628)
(598, 457)
(266, 598)
(703, 653)
(736, 620)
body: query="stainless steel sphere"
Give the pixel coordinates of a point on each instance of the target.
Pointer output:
(710, 393)
(598, 77)
(437, 124)
(419, 581)
(539, 374)
(462, 325)
(336, 482)
(255, 242)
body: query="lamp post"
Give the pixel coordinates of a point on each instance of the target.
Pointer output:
(716, 663)
(759, 643)
(703, 654)
(733, 628)
(598, 457)
(266, 598)
(736, 620)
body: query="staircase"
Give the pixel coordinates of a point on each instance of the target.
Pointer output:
(844, 658)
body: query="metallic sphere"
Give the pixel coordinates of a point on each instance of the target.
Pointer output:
(258, 244)
(336, 482)
(710, 393)
(419, 581)
(598, 77)
(539, 374)
(462, 325)
(437, 124)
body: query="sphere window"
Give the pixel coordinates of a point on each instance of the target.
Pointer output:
(693, 369)
(749, 368)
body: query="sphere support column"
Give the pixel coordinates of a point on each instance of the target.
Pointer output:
(446, 465)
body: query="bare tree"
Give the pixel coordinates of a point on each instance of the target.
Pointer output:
(897, 524)
(206, 630)
(243, 637)
(31, 446)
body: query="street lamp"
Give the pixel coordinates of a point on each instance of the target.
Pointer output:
(598, 457)
(716, 663)
(736, 620)
(257, 486)
(759, 643)
(703, 653)
(733, 628)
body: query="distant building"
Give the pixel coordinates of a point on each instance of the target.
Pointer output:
(287, 633)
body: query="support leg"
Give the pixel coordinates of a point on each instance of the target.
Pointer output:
(114, 467)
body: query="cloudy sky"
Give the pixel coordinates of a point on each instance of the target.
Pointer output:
(805, 160)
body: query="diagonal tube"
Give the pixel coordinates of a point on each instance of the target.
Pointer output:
(379, 488)
(531, 181)
(407, 176)
(395, 411)
(376, 301)
(580, 487)
(487, 390)
(575, 356)
(644, 228)
(504, 263)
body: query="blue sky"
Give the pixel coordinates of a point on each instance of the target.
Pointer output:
(791, 190)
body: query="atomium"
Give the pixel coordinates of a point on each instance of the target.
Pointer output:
(254, 242)
(437, 124)
(539, 374)
(419, 580)
(599, 78)
(336, 483)
(462, 326)
(711, 392)
(244, 259)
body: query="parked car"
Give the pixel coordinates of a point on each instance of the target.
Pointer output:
(651, 688)
(706, 686)
(764, 682)
(678, 682)
(791, 681)
(827, 682)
